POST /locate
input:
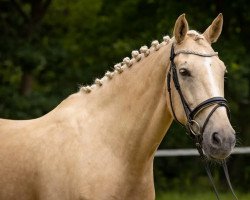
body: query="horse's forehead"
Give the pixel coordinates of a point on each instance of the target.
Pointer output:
(201, 64)
(198, 61)
(199, 45)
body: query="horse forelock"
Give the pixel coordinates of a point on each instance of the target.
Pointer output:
(136, 56)
(195, 35)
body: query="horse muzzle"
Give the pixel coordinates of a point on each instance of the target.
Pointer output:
(219, 144)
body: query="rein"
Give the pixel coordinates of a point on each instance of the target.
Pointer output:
(193, 128)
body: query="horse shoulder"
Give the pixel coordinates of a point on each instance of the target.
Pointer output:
(31, 152)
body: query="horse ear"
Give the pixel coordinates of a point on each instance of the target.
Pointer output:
(180, 28)
(214, 30)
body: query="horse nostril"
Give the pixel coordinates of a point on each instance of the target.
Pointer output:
(216, 139)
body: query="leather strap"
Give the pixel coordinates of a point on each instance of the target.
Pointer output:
(207, 103)
(209, 174)
(224, 164)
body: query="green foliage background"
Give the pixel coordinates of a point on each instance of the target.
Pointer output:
(49, 47)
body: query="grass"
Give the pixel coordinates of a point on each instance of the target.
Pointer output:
(176, 195)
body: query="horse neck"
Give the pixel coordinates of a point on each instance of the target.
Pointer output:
(129, 113)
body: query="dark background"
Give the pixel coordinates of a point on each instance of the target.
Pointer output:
(49, 47)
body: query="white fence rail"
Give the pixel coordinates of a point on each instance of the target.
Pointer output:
(194, 152)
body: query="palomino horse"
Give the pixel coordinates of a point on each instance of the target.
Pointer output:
(100, 142)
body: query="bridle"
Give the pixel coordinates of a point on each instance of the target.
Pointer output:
(193, 128)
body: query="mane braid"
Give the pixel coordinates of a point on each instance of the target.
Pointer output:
(119, 68)
(196, 35)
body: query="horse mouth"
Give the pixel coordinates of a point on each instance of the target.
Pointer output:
(218, 157)
(216, 154)
(218, 146)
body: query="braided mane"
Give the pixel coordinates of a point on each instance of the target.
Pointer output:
(137, 56)
(127, 62)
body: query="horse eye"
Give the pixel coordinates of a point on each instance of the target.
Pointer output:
(184, 72)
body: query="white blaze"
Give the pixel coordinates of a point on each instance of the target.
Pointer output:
(211, 79)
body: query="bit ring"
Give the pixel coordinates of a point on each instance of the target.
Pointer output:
(193, 126)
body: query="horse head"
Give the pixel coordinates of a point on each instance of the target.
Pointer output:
(197, 100)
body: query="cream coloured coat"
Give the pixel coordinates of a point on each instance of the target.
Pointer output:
(99, 143)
